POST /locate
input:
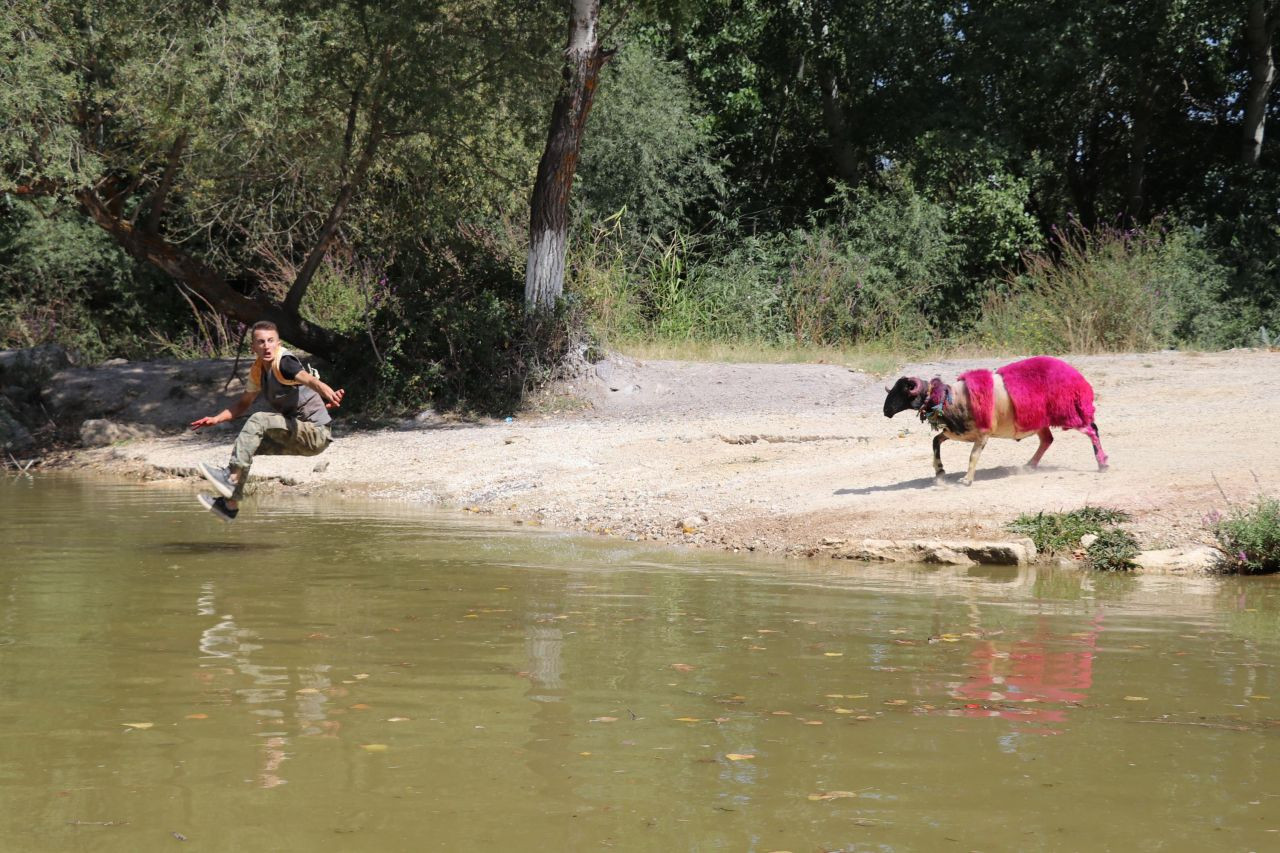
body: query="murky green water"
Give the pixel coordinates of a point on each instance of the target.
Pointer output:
(368, 678)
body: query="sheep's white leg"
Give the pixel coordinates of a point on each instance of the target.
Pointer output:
(978, 443)
(937, 455)
(1098, 453)
(1046, 439)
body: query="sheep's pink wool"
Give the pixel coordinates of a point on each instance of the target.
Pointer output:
(980, 387)
(1046, 392)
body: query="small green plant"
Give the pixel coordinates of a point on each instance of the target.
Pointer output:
(1055, 532)
(1112, 551)
(1249, 537)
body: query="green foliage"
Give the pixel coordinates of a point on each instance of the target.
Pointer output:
(450, 331)
(1107, 291)
(63, 280)
(1112, 551)
(1249, 537)
(866, 272)
(1056, 532)
(648, 152)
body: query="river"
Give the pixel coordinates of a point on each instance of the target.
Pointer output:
(374, 677)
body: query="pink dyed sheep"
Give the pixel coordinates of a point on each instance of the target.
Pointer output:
(1015, 401)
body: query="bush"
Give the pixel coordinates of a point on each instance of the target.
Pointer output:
(1249, 538)
(64, 280)
(452, 333)
(1056, 532)
(1112, 551)
(1109, 291)
(867, 271)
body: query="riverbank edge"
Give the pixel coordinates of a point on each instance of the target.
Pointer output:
(1188, 559)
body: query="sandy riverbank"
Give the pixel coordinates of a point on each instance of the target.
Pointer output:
(794, 459)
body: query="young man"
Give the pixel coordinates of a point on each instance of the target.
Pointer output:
(299, 426)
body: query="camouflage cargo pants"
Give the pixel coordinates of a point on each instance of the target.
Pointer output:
(272, 434)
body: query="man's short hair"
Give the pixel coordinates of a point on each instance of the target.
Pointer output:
(264, 326)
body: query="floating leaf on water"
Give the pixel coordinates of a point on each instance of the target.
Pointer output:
(196, 717)
(138, 725)
(832, 795)
(306, 691)
(1255, 696)
(833, 654)
(397, 719)
(813, 722)
(683, 667)
(781, 713)
(584, 753)
(688, 720)
(604, 720)
(1135, 698)
(374, 747)
(895, 702)
(843, 711)
(360, 706)
(740, 756)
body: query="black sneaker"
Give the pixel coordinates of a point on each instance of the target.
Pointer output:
(218, 506)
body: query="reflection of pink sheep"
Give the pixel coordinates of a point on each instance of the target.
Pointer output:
(1015, 401)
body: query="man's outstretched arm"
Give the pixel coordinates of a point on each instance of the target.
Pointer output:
(235, 410)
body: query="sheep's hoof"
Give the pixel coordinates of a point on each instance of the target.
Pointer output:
(939, 479)
(966, 482)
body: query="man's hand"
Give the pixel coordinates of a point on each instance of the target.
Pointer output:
(335, 400)
(204, 422)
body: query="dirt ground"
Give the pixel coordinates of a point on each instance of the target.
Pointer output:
(793, 459)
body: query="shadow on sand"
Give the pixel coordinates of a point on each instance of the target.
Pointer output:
(948, 480)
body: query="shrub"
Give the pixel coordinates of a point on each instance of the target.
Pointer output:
(1249, 537)
(452, 333)
(1108, 290)
(1112, 551)
(1055, 532)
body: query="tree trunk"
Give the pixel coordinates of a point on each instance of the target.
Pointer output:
(833, 114)
(1259, 31)
(1140, 137)
(549, 205)
(152, 249)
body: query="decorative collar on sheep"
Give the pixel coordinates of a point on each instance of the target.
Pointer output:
(936, 403)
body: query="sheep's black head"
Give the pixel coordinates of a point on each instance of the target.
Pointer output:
(908, 392)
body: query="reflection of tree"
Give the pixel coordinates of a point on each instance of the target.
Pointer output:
(226, 645)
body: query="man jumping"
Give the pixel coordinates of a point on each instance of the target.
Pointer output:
(299, 426)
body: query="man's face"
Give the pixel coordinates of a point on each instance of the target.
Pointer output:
(264, 344)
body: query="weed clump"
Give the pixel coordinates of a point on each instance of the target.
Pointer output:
(1056, 532)
(1249, 538)
(1112, 551)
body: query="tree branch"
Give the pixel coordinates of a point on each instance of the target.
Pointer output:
(158, 198)
(205, 281)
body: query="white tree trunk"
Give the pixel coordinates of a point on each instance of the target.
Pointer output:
(544, 271)
(549, 205)
(1259, 32)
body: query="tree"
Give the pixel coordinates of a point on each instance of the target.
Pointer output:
(549, 204)
(1259, 36)
(229, 144)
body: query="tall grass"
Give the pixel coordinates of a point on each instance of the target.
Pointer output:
(1103, 290)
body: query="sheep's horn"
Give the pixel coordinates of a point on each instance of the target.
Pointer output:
(916, 387)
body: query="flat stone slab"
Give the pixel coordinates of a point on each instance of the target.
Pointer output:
(1199, 559)
(951, 552)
